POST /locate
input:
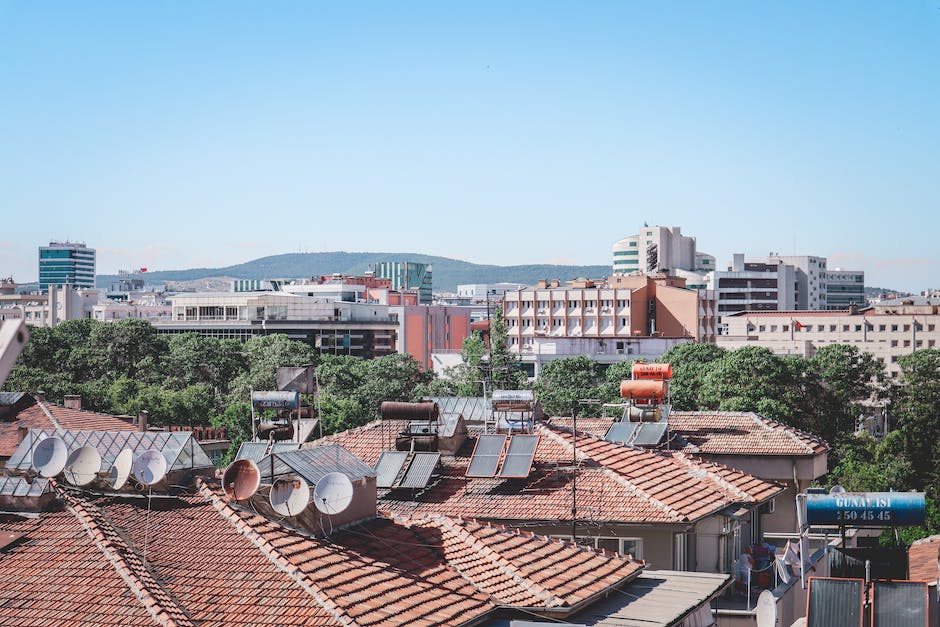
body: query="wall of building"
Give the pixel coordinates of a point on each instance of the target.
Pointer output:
(426, 329)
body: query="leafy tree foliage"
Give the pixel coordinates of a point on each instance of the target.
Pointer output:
(916, 404)
(506, 371)
(563, 382)
(690, 363)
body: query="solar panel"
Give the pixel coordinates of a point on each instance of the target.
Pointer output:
(388, 467)
(834, 602)
(251, 450)
(486, 455)
(518, 462)
(650, 434)
(420, 470)
(281, 447)
(899, 603)
(622, 432)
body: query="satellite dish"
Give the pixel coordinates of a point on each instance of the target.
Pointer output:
(49, 456)
(836, 489)
(83, 465)
(766, 609)
(121, 469)
(150, 467)
(241, 479)
(289, 496)
(333, 493)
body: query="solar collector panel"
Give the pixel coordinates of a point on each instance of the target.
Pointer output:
(420, 471)
(834, 602)
(486, 455)
(622, 432)
(899, 603)
(519, 457)
(650, 434)
(388, 468)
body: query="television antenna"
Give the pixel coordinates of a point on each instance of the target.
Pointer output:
(83, 465)
(333, 493)
(150, 467)
(121, 469)
(241, 479)
(289, 496)
(50, 456)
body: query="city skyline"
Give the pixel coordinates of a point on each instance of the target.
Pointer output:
(178, 136)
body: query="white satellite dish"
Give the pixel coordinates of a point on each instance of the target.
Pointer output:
(836, 489)
(241, 479)
(83, 465)
(766, 609)
(289, 496)
(333, 493)
(50, 456)
(150, 467)
(121, 469)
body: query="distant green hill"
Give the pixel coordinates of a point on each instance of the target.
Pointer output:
(448, 273)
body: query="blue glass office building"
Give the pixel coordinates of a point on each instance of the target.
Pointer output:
(69, 263)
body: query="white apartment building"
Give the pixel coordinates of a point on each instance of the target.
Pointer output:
(481, 292)
(359, 329)
(659, 249)
(754, 286)
(886, 331)
(811, 278)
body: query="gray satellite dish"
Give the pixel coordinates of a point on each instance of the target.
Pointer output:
(836, 489)
(766, 609)
(121, 469)
(50, 456)
(241, 479)
(83, 465)
(289, 496)
(333, 493)
(150, 467)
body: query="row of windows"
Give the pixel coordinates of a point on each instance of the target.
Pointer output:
(622, 253)
(846, 328)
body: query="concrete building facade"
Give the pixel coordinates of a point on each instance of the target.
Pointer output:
(62, 263)
(845, 288)
(754, 286)
(885, 331)
(427, 329)
(657, 249)
(407, 275)
(358, 329)
(811, 279)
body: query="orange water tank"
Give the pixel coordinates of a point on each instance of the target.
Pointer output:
(652, 372)
(647, 390)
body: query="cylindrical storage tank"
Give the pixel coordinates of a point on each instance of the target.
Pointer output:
(646, 390)
(652, 372)
(642, 414)
(392, 410)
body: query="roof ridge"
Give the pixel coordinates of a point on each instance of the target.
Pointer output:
(331, 436)
(52, 419)
(273, 555)
(156, 600)
(791, 432)
(721, 481)
(485, 551)
(616, 476)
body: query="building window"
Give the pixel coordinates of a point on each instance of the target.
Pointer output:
(882, 327)
(907, 327)
(773, 327)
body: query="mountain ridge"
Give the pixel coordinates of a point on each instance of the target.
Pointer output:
(447, 272)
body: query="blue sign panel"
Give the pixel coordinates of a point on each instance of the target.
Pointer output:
(866, 509)
(275, 400)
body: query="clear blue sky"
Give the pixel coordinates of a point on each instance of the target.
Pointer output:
(179, 134)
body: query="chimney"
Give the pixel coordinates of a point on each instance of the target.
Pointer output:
(40, 396)
(73, 401)
(21, 433)
(142, 420)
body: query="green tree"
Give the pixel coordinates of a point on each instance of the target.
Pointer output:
(195, 359)
(846, 377)
(690, 362)
(237, 422)
(754, 379)
(563, 382)
(916, 404)
(506, 371)
(263, 355)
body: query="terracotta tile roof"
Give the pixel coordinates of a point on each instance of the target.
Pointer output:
(57, 574)
(723, 433)
(743, 433)
(922, 559)
(42, 415)
(615, 483)
(209, 562)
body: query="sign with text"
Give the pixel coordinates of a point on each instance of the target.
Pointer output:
(866, 509)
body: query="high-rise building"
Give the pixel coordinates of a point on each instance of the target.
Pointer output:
(66, 263)
(754, 286)
(811, 290)
(845, 288)
(659, 249)
(407, 275)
